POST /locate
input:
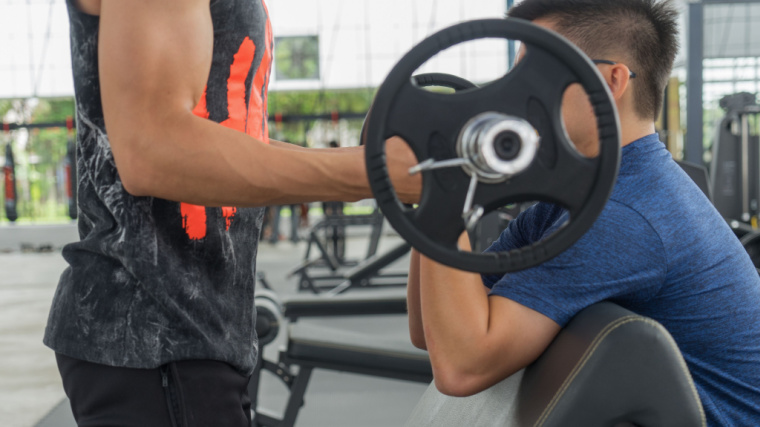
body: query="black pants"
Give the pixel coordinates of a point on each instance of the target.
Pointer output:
(180, 394)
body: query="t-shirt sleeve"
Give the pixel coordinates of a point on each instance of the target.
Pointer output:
(621, 259)
(524, 230)
(508, 240)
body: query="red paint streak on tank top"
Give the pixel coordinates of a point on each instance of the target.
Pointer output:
(236, 107)
(238, 118)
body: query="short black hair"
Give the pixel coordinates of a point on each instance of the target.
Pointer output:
(643, 33)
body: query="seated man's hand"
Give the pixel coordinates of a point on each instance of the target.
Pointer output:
(464, 242)
(400, 158)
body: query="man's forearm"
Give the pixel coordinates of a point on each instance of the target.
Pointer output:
(475, 340)
(198, 161)
(455, 312)
(416, 332)
(457, 315)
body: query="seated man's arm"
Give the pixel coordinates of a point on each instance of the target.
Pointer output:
(416, 332)
(155, 59)
(475, 340)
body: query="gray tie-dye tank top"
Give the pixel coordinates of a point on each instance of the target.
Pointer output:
(151, 280)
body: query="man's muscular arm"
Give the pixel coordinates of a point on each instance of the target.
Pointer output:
(155, 58)
(474, 340)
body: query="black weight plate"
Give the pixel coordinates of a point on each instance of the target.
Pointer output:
(533, 91)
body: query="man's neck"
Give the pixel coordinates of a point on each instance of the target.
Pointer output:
(635, 130)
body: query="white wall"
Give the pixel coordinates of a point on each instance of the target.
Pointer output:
(361, 40)
(30, 61)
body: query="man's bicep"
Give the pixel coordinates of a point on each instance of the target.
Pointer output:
(154, 60)
(528, 332)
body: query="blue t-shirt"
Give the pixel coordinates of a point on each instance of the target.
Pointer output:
(659, 249)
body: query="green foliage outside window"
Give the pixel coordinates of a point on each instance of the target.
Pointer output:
(297, 58)
(39, 163)
(315, 102)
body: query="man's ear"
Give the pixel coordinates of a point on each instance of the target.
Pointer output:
(618, 79)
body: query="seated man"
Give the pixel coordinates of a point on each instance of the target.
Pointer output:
(659, 248)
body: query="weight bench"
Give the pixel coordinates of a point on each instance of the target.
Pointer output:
(330, 248)
(608, 367)
(364, 274)
(312, 347)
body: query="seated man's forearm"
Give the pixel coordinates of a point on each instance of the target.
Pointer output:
(475, 340)
(416, 331)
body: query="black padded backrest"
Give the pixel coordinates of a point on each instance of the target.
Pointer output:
(610, 367)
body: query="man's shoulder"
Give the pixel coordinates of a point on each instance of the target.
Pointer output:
(625, 214)
(662, 191)
(624, 226)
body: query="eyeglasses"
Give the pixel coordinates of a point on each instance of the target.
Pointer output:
(604, 61)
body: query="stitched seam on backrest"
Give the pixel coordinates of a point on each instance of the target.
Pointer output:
(684, 368)
(592, 348)
(584, 359)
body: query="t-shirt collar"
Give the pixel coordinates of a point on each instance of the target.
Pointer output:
(635, 149)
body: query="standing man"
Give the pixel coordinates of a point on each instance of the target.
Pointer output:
(153, 321)
(659, 248)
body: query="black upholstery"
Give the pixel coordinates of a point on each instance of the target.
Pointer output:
(610, 367)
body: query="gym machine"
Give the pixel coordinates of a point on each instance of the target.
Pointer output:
(331, 273)
(736, 169)
(736, 160)
(9, 188)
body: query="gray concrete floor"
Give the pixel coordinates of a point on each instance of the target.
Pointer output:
(29, 381)
(30, 386)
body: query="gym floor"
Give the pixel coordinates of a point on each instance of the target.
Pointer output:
(31, 388)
